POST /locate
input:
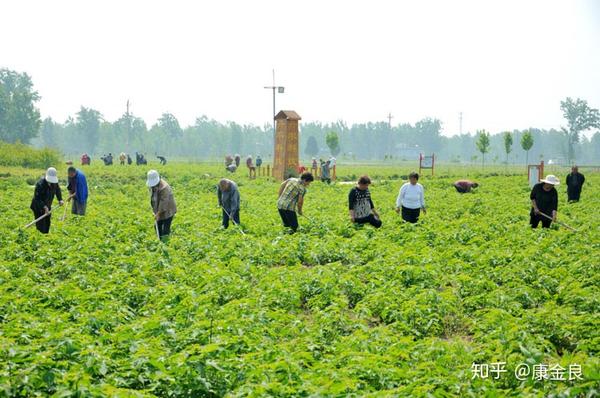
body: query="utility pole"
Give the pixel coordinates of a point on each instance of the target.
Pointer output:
(280, 90)
(460, 123)
(390, 121)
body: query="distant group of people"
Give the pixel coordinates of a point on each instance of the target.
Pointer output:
(124, 158)
(410, 201)
(232, 163)
(325, 168)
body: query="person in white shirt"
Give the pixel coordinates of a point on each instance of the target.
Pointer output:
(411, 199)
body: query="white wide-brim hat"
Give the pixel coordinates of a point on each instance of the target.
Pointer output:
(551, 179)
(51, 175)
(153, 178)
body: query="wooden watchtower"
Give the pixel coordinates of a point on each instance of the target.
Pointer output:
(286, 144)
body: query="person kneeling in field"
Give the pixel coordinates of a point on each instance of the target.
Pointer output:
(229, 201)
(78, 191)
(411, 199)
(361, 206)
(291, 199)
(464, 186)
(544, 202)
(163, 203)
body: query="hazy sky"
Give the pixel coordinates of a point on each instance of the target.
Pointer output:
(504, 64)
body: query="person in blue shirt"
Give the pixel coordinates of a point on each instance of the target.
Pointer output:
(78, 191)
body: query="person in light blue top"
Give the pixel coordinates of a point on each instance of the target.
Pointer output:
(411, 199)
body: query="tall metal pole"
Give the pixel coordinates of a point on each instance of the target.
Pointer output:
(275, 89)
(460, 124)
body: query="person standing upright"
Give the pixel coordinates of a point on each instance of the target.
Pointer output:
(228, 196)
(258, 163)
(575, 182)
(78, 191)
(291, 199)
(544, 202)
(411, 199)
(45, 189)
(163, 203)
(325, 176)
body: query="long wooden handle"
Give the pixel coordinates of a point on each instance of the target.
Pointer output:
(558, 222)
(233, 221)
(41, 217)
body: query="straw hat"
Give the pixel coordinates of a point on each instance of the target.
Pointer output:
(551, 179)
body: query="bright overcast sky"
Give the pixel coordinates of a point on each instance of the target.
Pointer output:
(504, 64)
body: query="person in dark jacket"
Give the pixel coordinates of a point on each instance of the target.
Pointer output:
(228, 196)
(78, 191)
(544, 202)
(45, 190)
(575, 182)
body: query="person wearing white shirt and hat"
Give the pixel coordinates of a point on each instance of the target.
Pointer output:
(411, 199)
(544, 202)
(163, 203)
(45, 189)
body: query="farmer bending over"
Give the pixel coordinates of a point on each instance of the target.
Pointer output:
(45, 190)
(464, 186)
(163, 203)
(229, 201)
(544, 199)
(291, 197)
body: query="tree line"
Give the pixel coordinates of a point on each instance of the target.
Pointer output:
(87, 131)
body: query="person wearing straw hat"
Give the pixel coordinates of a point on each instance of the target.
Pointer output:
(228, 196)
(45, 189)
(163, 203)
(544, 202)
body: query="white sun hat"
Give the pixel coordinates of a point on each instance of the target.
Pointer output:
(551, 179)
(153, 178)
(51, 175)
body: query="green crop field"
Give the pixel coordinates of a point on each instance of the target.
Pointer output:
(99, 307)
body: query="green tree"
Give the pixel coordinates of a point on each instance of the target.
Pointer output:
(333, 142)
(508, 141)
(19, 118)
(312, 148)
(48, 133)
(88, 127)
(483, 144)
(580, 117)
(429, 134)
(526, 144)
(170, 125)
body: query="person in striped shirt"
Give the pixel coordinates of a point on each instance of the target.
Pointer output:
(291, 199)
